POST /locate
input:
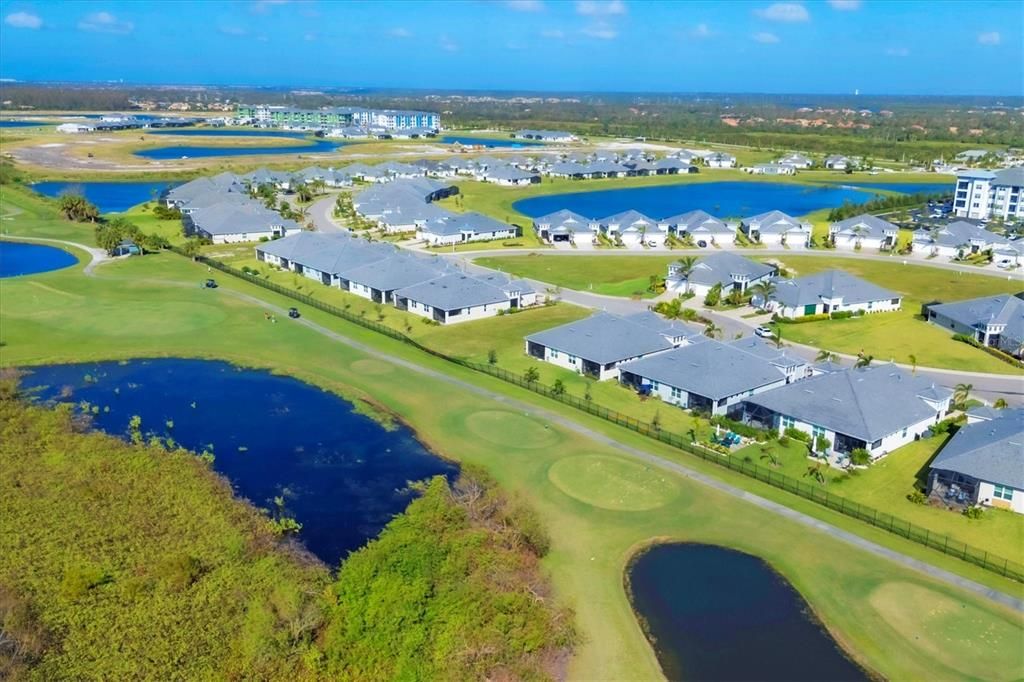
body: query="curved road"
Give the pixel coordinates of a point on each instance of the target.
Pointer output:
(988, 386)
(852, 539)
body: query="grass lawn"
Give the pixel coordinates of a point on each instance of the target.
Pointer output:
(608, 275)
(887, 336)
(150, 307)
(901, 334)
(27, 214)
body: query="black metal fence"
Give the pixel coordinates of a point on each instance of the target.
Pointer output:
(815, 493)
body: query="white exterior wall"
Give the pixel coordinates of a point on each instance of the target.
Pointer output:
(237, 238)
(477, 312)
(888, 444)
(360, 290)
(986, 495)
(849, 241)
(664, 391)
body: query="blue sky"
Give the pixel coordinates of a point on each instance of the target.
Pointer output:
(827, 46)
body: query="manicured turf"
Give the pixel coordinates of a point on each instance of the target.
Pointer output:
(590, 545)
(612, 483)
(886, 336)
(901, 334)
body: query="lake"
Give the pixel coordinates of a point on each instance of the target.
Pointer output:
(723, 199)
(232, 132)
(6, 123)
(718, 614)
(315, 146)
(343, 475)
(108, 197)
(20, 258)
(488, 141)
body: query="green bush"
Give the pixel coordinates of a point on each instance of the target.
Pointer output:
(800, 320)
(860, 457)
(797, 434)
(80, 578)
(714, 295)
(974, 512)
(917, 497)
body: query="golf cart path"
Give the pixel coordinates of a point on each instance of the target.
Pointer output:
(847, 537)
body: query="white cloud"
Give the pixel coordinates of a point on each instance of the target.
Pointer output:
(233, 30)
(601, 30)
(263, 6)
(553, 33)
(898, 52)
(525, 5)
(845, 5)
(788, 12)
(447, 44)
(701, 31)
(990, 38)
(23, 20)
(105, 22)
(597, 8)
(400, 32)
(766, 38)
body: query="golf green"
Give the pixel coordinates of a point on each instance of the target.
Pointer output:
(612, 483)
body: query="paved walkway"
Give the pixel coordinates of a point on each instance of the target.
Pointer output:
(835, 532)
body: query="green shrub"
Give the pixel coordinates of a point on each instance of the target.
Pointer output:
(974, 512)
(860, 457)
(917, 497)
(797, 434)
(80, 578)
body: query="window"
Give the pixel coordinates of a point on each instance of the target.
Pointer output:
(554, 353)
(676, 393)
(1002, 492)
(817, 432)
(787, 422)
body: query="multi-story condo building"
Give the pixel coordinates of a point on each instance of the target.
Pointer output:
(990, 194)
(338, 117)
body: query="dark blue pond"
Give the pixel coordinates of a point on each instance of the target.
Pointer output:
(230, 132)
(19, 258)
(5, 123)
(342, 475)
(488, 141)
(717, 614)
(315, 146)
(108, 197)
(722, 199)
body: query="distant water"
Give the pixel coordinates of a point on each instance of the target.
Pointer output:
(342, 475)
(7, 123)
(734, 199)
(108, 197)
(233, 132)
(20, 258)
(718, 614)
(316, 146)
(489, 141)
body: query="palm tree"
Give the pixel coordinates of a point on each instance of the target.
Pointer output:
(863, 361)
(814, 471)
(763, 290)
(1000, 404)
(684, 267)
(712, 330)
(826, 356)
(961, 393)
(913, 363)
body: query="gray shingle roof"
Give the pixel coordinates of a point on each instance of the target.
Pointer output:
(718, 268)
(1001, 309)
(990, 451)
(452, 292)
(776, 222)
(396, 272)
(710, 369)
(868, 403)
(864, 225)
(957, 234)
(828, 284)
(603, 338)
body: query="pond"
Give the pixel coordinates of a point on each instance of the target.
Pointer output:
(7, 123)
(722, 199)
(229, 132)
(343, 475)
(315, 146)
(108, 197)
(718, 614)
(488, 141)
(20, 258)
